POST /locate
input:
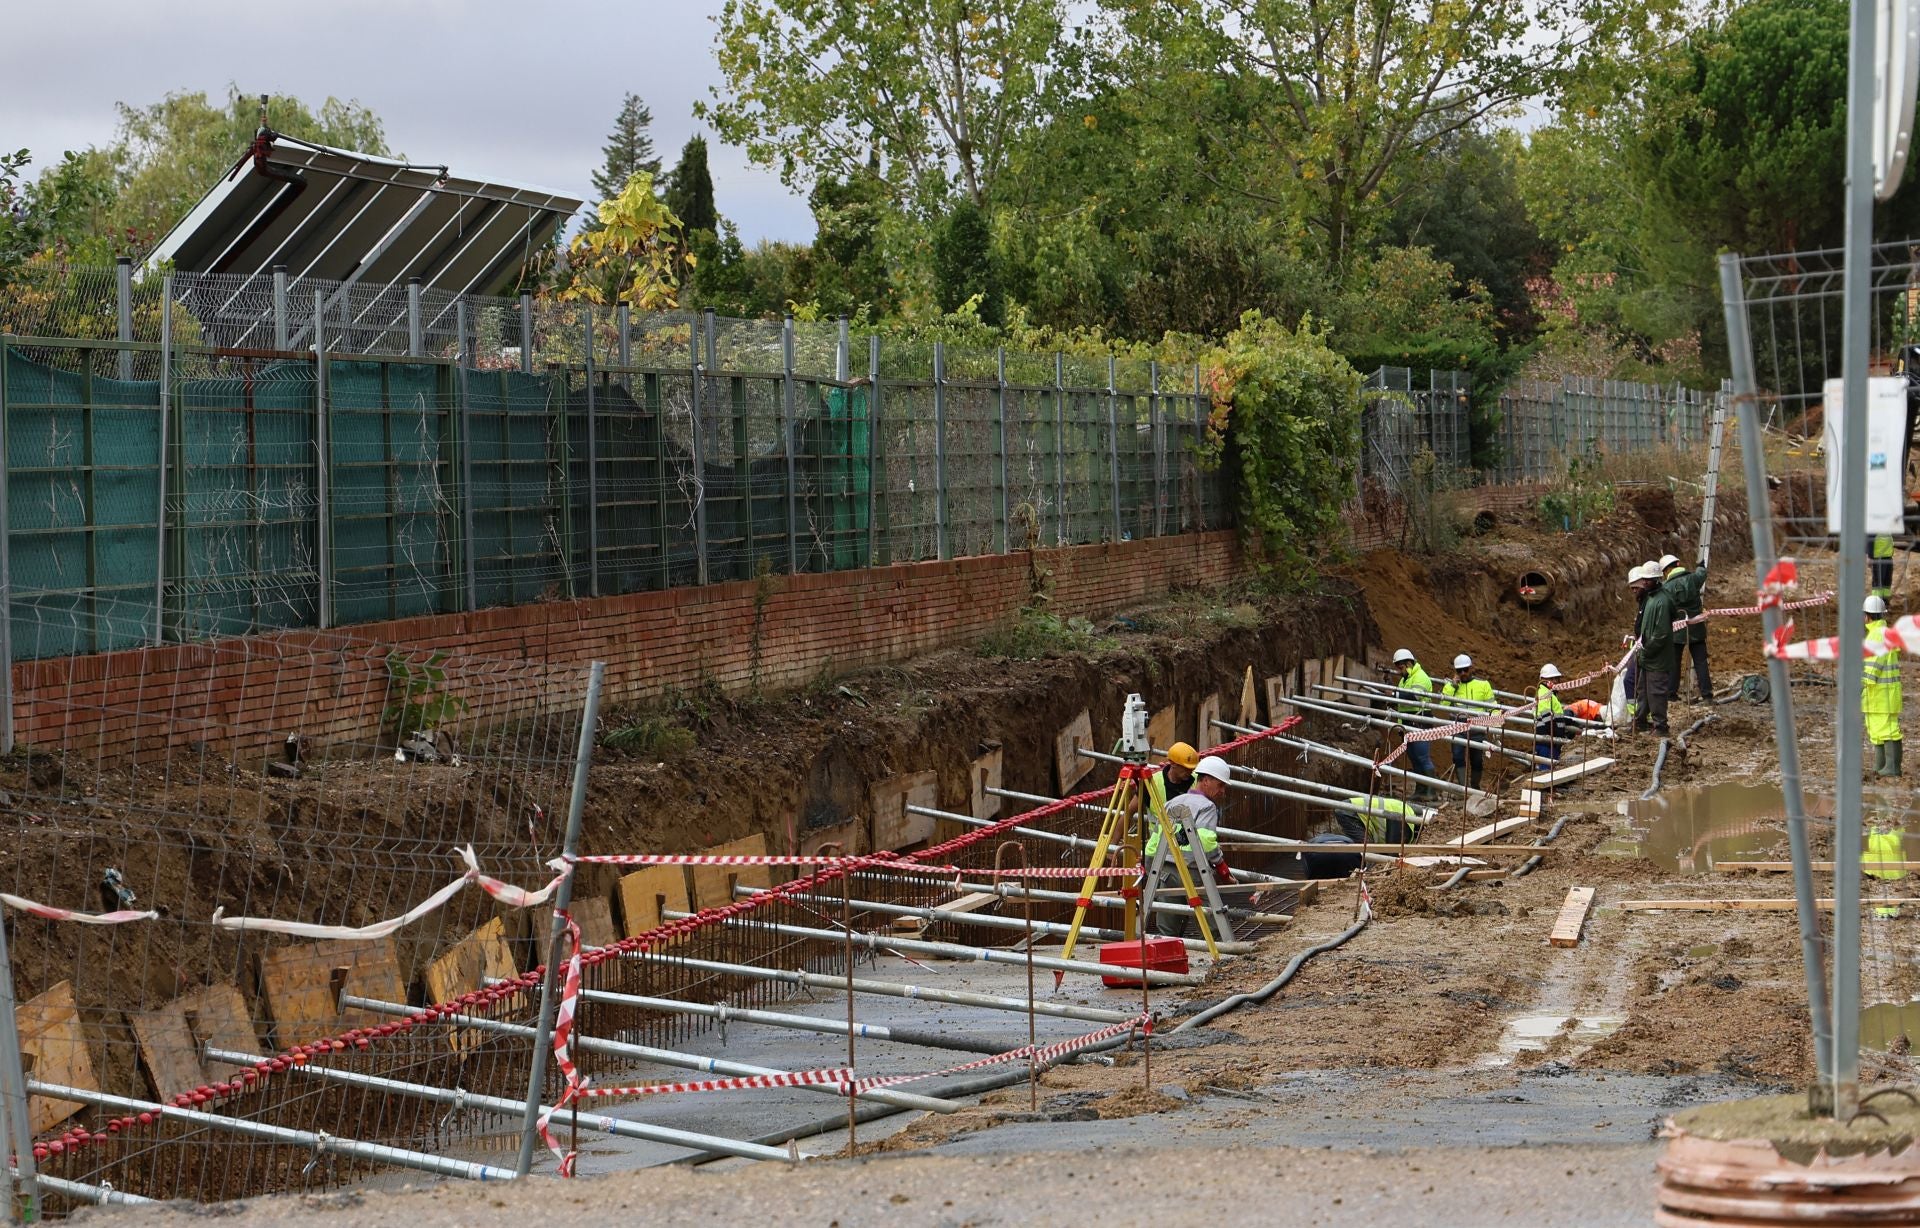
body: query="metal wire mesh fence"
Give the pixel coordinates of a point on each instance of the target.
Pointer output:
(1544, 425)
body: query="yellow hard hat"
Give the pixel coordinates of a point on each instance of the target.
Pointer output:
(1184, 755)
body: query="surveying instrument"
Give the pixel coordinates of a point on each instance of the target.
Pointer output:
(1139, 797)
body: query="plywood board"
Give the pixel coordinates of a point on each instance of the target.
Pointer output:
(713, 885)
(1481, 835)
(50, 1035)
(1561, 776)
(644, 892)
(1205, 732)
(300, 992)
(1249, 701)
(1070, 766)
(1162, 732)
(849, 838)
(1309, 678)
(1277, 697)
(469, 963)
(893, 827)
(1572, 918)
(1768, 905)
(172, 1038)
(986, 772)
(594, 915)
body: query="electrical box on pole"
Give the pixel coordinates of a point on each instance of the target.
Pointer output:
(1886, 425)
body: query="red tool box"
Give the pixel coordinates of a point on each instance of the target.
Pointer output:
(1163, 955)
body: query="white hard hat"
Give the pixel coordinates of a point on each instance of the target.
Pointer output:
(1214, 766)
(1401, 654)
(1667, 560)
(1875, 604)
(1549, 670)
(1463, 661)
(1636, 574)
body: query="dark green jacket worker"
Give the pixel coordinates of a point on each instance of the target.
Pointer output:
(1659, 647)
(1687, 589)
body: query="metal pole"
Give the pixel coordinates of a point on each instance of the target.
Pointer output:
(6, 571)
(13, 1091)
(123, 294)
(1002, 539)
(698, 447)
(282, 314)
(1856, 352)
(1760, 522)
(1710, 502)
(166, 413)
(576, 808)
(463, 363)
(416, 320)
(713, 339)
(593, 462)
(1315, 748)
(322, 446)
(526, 334)
(846, 924)
(941, 532)
(623, 324)
(842, 355)
(874, 538)
(1199, 434)
(1060, 440)
(787, 441)
(1159, 440)
(1113, 446)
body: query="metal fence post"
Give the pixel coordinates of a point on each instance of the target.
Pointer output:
(576, 808)
(1199, 437)
(123, 293)
(593, 462)
(876, 540)
(6, 574)
(282, 315)
(698, 446)
(1003, 539)
(842, 355)
(787, 444)
(1060, 440)
(713, 339)
(416, 329)
(1158, 439)
(463, 364)
(160, 509)
(526, 334)
(1113, 446)
(941, 532)
(13, 1092)
(323, 466)
(623, 323)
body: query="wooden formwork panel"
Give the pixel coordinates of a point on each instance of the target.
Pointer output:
(1069, 764)
(172, 1038)
(300, 986)
(645, 893)
(713, 885)
(987, 772)
(51, 1037)
(893, 827)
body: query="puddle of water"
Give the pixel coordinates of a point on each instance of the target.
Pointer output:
(1535, 1032)
(1886, 1022)
(1693, 829)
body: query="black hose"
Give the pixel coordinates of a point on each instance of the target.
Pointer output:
(1553, 833)
(1279, 982)
(1659, 765)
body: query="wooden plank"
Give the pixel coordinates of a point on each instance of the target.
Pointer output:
(644, 893)
(1786, 867)
(893, 827)
(973, 901)
(1069, 764)
(713, 885)
(1479, 850)
(1499, 827)
(171, 1038)
(1767, 905)
(988, 772)
(1277, 687)
(468, 963)
(594, 915)
(1162, 729)
(1249, 702)
(1205, 732)
(299, 984)
(1561, 776)
(1572, 918)
(50, 1035)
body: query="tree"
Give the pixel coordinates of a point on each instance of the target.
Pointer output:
(1344, 92)
(630, 256)
(850, 271)
(963, 266)
(628, 151)
(690, 189)
(937, 88)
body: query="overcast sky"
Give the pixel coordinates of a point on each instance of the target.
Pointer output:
(492, 89)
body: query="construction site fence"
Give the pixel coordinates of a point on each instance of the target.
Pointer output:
(1546, 426)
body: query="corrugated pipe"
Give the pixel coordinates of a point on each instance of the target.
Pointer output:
(1287, 974)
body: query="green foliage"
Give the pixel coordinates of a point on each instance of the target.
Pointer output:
(1037, 633)
(1285, 426)
(417, 698)
(689, 189)
(632, 256)
(963, 264)
(651, 736)
(1582, 497)
(628, 151)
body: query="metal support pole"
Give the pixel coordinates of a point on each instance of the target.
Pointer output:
(1760, 522)
(166, 441)
(282, 313)
(6, 571)
(123, 294)
(842, 355)
(1003, 539)
(1200, 434)
(1310, 747)
(941, 530)
(13, 1095)
(576, 808)
(788, 441)
(416, 320)
(623, 324)
(1848, 724)
(526, 334)
(1156, 434)
(463, 363)
(698, 446)
(1709, 503)
(1113, 446)
(876, 538)
(593, 461)
(713, 339)
(1060, 441)
(323, 466)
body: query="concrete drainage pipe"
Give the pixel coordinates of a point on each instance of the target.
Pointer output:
(1533, 588)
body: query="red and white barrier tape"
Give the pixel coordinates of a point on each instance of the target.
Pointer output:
(1901, 635)
(48, 912)
(838, 1076)
(720, 859)
(1042, 1054)
(562, 1046)
(506, 893)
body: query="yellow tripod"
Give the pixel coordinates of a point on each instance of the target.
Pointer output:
(1140, 793)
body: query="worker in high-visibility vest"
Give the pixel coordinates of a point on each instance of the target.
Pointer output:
(1880, 697)
(1194, 815)
(1550, 718)
(1469, 760)
(1387, 820)
(1886, 849)
(1177, 776)
(1880, 566)
(1415, 689)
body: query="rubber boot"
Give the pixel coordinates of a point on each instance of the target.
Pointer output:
(1879, 758)
(1894, 749)
(1473, 775)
